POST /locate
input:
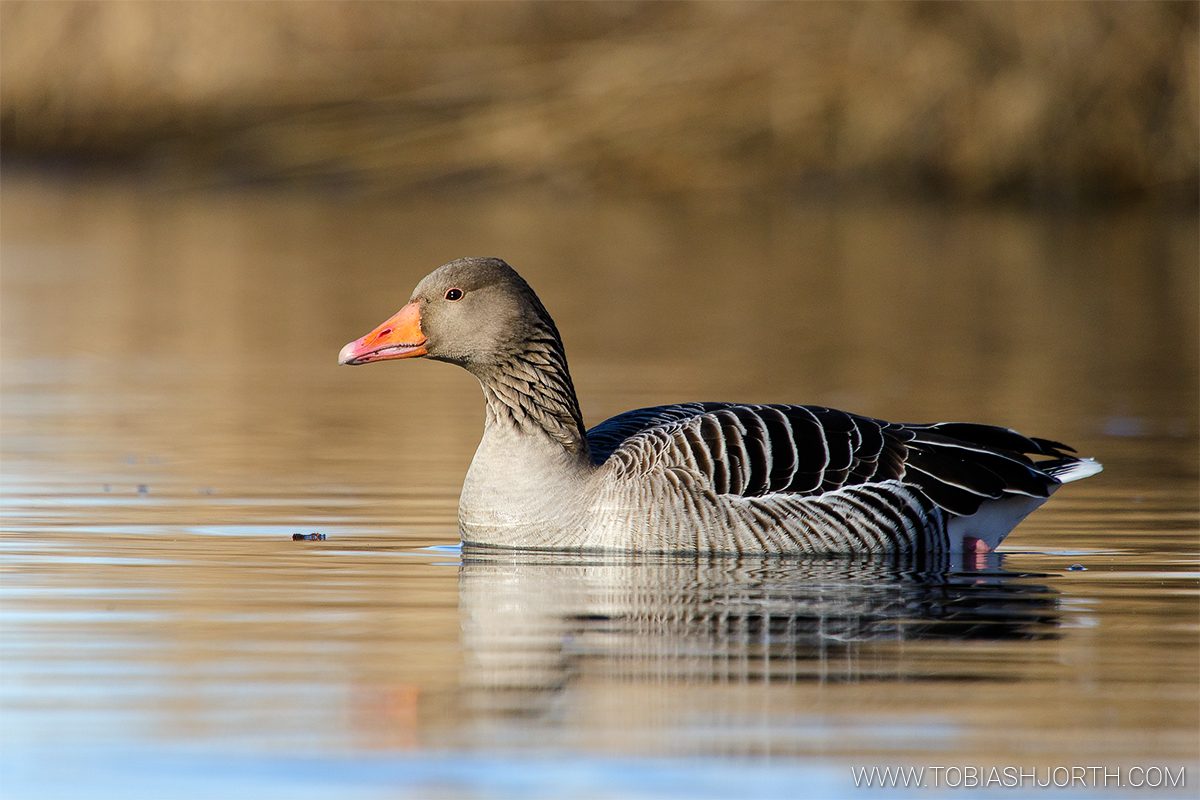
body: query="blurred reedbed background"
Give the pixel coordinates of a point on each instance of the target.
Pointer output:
(1054, 103)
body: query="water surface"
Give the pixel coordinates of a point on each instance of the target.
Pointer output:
(172, 415)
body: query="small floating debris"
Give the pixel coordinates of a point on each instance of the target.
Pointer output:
(1077, 568)
(206, 490)
(308, 537)
(107, 488)
(143, 489)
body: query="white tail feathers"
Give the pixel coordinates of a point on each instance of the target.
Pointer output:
(996, 518)
(1077, 470)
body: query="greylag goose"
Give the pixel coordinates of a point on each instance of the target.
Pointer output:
(698, 477)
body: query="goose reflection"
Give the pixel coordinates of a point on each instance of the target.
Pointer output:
(533, 623)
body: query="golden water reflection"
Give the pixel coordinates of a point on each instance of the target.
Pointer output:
(172, 414)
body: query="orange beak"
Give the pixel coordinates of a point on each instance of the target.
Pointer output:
(399, 337)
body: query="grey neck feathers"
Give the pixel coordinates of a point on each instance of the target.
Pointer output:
(531, 389)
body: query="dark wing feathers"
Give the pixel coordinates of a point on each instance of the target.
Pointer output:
(756, 445)
(1017, 473)
(781, 443)
(608, 435)
(757, 450)
(955, 484)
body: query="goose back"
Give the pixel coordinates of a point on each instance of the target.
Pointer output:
(758, 450)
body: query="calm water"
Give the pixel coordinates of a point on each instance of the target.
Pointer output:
(172, 414)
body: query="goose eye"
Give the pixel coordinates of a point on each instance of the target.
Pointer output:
(454, 294)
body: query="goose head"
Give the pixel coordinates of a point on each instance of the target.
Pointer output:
(474, 312)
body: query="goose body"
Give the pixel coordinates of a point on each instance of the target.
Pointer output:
(699, 477)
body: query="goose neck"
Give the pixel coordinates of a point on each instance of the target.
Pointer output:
(532, 395)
